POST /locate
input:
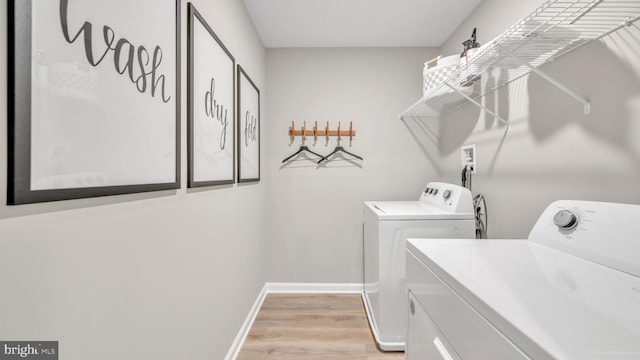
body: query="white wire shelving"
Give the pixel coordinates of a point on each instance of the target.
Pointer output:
(553, 29)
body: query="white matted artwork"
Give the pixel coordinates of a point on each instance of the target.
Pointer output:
(248, 128)
(93, 98)
(211, 109)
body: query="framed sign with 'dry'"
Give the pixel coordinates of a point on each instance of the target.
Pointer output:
(94, 100)
(211, 106)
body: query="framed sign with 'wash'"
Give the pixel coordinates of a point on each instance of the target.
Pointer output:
(94, 100)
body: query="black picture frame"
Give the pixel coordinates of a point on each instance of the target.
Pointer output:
(70, 135)
(211, 106)
(248, 124)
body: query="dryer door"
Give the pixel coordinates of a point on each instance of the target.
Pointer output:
(424, 339)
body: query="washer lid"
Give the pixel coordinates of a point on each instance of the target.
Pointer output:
(541, 298)
(411, 210)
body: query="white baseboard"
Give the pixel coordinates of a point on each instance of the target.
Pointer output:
(314, 288)
(286, 288)
(248, 322)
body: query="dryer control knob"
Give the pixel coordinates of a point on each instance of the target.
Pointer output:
(447, 194)
(565, 220)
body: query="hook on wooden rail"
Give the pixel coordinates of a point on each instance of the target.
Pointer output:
(292, 132)
(326, 133)
(315, 132)
(304, 131)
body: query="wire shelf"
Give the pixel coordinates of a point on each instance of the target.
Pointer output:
(553, 29)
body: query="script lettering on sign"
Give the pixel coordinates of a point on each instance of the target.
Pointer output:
(140, 66)
(250, 128)
(216, 111)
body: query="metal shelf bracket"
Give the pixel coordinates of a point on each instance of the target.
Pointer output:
(556, 83)
(478, 104)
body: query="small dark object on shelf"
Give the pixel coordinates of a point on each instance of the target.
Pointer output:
(470, 43)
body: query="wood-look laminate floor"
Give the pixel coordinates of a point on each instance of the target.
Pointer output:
(310, 327)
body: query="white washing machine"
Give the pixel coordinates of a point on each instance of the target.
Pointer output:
(442, 211)
(569, 291)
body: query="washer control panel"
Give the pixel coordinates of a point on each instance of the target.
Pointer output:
(451, 197)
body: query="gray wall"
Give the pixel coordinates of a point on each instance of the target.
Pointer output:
(553, 151)
(168, 275)
(315, 225)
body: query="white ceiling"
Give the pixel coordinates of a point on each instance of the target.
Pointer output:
(357, 23)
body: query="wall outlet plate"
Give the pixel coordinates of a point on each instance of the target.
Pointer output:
(468, 155)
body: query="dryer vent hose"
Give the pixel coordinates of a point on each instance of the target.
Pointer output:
(479, 205)
(480, 208)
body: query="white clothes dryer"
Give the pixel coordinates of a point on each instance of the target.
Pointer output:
(442, 211)
(569, 291)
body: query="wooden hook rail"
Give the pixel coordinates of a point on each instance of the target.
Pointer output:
(315, 132)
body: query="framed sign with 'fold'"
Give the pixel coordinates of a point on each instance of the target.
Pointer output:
(248, 128)
(211, 109)
(94, 98)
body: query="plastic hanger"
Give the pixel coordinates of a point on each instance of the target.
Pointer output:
(339, 147)
(303, 147)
